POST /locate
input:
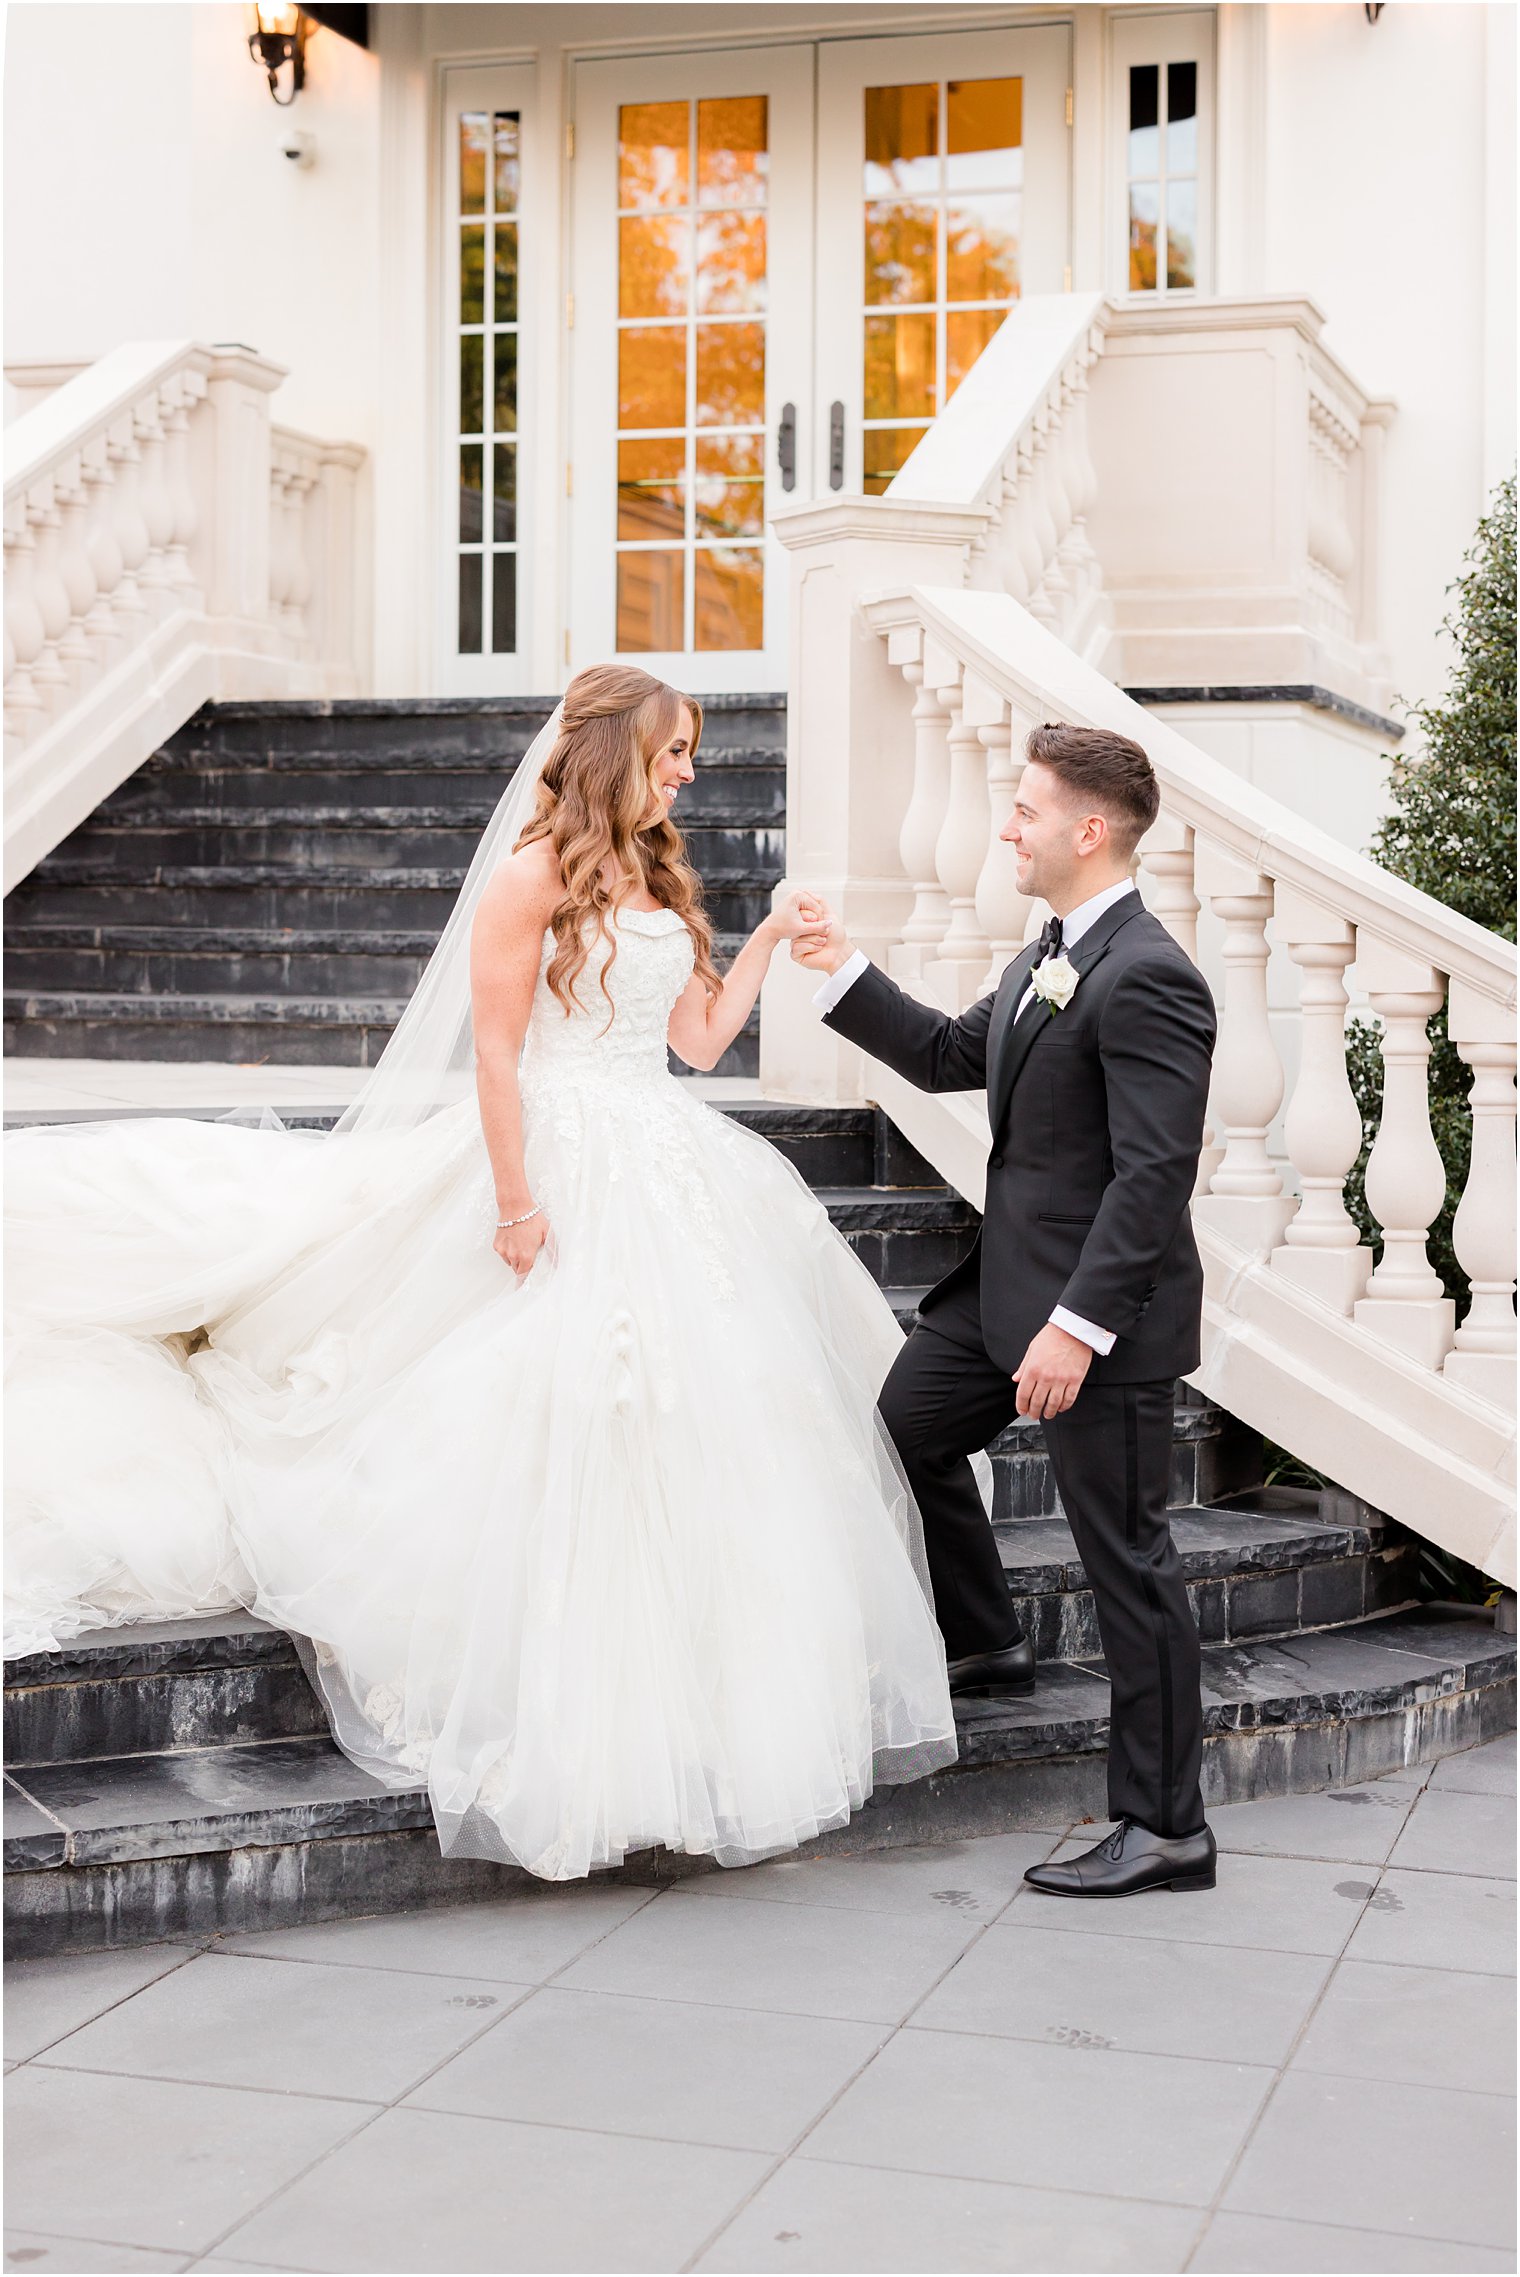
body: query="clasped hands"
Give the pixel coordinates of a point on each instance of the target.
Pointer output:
(1054, 1368)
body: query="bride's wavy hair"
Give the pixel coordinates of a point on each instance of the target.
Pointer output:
(596, 798)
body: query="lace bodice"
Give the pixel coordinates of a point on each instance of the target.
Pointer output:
(625, 1038)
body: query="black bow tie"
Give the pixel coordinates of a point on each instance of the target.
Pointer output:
(1050, 940)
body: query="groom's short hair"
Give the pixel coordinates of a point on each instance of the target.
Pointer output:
(1105, 771)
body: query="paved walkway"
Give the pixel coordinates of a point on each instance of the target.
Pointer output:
(906, 2062)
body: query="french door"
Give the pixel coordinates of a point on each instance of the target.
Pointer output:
(943, 197)
(691, 358)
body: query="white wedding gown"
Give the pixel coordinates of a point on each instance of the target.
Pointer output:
(617, 1557)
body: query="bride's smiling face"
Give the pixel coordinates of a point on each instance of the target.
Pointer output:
(672, 766)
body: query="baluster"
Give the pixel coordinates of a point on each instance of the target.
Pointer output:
(959, 853)
(50, 674)
(24, 628)
(1406, 1179)
(1483, 1231)
(1025, 560)
(279, 547)
(919, 835)
(1245, 1197)
(76, 648)
(182, 498)
(1166, 858)
(157, 510)
(1322, 1249)
(1001, 909)
(1045, 596)
(298, 488)
(131, 532)
(97, 470)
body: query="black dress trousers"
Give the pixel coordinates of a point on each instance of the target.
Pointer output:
(1112, 1455)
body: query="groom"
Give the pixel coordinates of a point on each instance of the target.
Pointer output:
(1079, 1303)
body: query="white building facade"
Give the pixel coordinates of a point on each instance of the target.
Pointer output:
(598, 289)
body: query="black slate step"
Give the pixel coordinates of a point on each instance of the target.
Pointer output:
(253, 1837)
(270, 894)
(324, 840)
(166, 1687)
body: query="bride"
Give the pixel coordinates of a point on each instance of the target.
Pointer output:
(540, 1411)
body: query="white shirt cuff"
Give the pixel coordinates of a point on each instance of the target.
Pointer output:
(834, 987)
(1101, 1339)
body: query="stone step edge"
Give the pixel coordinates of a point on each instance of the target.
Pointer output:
(69, 870)
(123, 821)
(206, 1644)
(443, 707)
(990, 1733)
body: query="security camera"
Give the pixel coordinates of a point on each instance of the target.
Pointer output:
(297, 147)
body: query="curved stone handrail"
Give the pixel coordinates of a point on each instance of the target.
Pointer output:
(164, 546)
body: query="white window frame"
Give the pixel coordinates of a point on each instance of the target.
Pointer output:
(1186, 37)
(488, 87)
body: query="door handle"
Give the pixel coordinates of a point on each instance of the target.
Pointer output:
(786, 446)
(836, 445)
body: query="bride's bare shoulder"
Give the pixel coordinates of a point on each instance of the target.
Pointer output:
(525, 890)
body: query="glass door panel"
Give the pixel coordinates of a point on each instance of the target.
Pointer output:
(694, 190)
(949, 155)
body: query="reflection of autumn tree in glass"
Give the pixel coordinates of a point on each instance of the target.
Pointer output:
(942, 217)
(691, 244)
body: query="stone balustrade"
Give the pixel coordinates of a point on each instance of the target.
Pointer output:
(934, 626)
(164, 546)
(1361, 1370)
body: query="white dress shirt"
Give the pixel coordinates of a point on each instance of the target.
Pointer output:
(1072, 928)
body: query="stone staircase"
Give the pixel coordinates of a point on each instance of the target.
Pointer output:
(269, 885)
(179, 1777)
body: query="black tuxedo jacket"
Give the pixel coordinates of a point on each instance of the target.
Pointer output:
(1097, 1122)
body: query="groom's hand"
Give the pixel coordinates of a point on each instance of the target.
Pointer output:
(1051, 1373)
(825, 949)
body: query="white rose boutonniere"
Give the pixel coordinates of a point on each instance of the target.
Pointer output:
(1055, 983)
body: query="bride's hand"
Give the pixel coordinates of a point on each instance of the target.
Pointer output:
(519, 1245)
(802, 912)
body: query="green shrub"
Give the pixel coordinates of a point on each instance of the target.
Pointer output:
(1450, 830)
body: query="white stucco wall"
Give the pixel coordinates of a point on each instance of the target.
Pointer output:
(1386, 148)
(1370, 166)
(147, 197)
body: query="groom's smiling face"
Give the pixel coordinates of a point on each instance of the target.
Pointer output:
(1061, 848)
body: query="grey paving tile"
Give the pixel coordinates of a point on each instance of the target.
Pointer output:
(247, 2268)
(1139, 1993)
(433, 2190)
(811, 1960)
(44, 1999)
(1353, 1825)
(1398, 2159)
(973, 1880)
(1284, 1905)
(652, 2067)
(1486, 1770)
(815, 2217)
(1432, 2027)
(1248, 2243)
(1438, 1921)
(1126, 2126)
(519, 1940)
(243, 2022)
(153, 2162)
(31, 2251)
(1451, 1833)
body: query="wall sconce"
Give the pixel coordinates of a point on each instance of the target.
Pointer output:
(279, 37)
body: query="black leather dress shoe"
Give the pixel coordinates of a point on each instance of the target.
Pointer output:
(1011, 1670)
(1130, 1859)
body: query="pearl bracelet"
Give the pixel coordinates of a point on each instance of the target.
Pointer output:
(503, 1223)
